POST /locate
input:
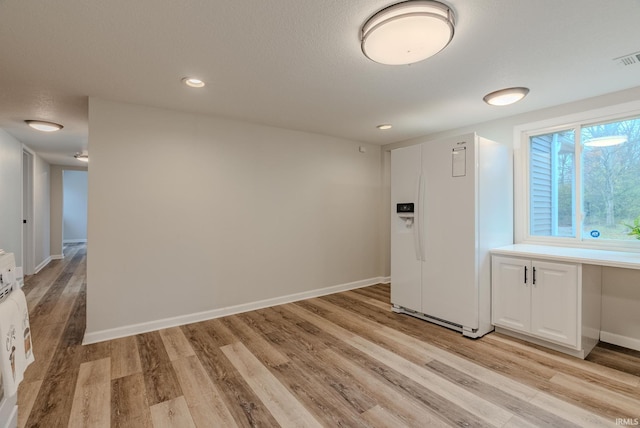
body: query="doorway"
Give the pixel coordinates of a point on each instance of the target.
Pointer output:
(28, 244)
(74, 206)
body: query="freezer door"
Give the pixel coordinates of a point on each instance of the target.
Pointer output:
(449, 278)
(405, 249)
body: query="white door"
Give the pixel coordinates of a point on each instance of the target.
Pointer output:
(405, 246)
(449, 273)
(28, 243)
(554, 301)
(511, 297)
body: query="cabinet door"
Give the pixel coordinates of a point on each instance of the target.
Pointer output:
(510, 294)
(554, 301)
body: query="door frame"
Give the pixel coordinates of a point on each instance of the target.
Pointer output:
(28, 214)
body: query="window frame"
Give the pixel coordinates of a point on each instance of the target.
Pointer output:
(522, 200)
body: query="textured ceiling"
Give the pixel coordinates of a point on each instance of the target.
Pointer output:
(297, 64)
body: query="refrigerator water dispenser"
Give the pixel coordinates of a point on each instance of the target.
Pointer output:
(405, 212)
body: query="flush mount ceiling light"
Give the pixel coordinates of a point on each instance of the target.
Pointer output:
(407, 32)
(192, 82)
(504, 97)
(612, 140)
(84, 157)
(384, 126)
(43, 126)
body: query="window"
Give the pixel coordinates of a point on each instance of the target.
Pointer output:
(582, 183)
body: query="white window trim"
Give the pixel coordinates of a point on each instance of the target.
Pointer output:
(521, 134)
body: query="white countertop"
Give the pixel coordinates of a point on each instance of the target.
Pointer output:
(576, 255)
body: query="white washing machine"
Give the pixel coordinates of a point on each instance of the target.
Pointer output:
(8, 282)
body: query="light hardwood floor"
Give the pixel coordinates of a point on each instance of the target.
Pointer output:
(339, 360)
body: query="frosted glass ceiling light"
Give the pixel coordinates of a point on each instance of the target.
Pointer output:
(384, 126)
(43, 126)
(192, 82)
(612, 140)
(504, 97)
(407, 32)
(84, 157)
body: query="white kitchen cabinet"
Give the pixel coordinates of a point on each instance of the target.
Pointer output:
(511, 297)
(542, 301)
(554, 301)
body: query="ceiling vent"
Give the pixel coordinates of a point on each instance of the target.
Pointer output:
(630, 59)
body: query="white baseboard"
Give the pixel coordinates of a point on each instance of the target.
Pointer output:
(385, 280)
(57, 257)
(42, 265)
(130, 330)
(624, 341)
(74, 241)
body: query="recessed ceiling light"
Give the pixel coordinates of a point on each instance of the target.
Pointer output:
(612, 140)
(193, 82)
(407, 32)
(507, 96)
(43, 126)
(84, 157)
(384, 126)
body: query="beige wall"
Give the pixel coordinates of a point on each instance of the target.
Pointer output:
(192, 213)
(56, 207)
(11, 195)
(41, 207)
(621, 287)
(385, 214)
(621, 305)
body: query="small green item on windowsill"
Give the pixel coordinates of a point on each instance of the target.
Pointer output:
(634, 228)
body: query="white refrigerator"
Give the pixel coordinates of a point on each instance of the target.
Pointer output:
(452, 201)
